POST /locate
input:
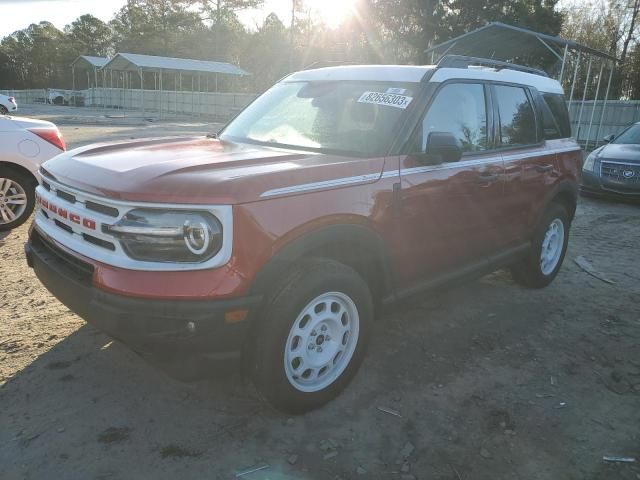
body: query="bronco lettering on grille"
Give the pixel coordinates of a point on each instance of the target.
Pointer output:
(62, 213)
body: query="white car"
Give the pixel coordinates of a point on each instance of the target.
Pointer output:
(24, 145)
(7, 105)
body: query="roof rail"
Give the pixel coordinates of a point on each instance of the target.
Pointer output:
(462, 61)
(327, 63)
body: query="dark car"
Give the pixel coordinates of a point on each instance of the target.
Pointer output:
(614, 168)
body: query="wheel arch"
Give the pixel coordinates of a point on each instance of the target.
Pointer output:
(17, 168)
(357, 246)
(566, 193)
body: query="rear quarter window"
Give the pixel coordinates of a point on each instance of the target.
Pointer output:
(518, 125)
(556, 106)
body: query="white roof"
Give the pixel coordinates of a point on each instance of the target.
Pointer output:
(410, 73)
(135, 61)
(381, 73)
(96, 62)
(543, 84)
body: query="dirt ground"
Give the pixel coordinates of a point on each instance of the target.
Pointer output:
(491, 381)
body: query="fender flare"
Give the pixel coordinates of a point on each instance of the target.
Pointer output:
(370, 244)
(566, 190)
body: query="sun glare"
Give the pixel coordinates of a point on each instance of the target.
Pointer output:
(334, 12)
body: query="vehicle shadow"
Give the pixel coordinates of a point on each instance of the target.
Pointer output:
(92, 392)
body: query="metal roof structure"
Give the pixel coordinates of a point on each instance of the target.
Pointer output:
(133, 62)
(90, 62)
(554, 55)
(509, 43)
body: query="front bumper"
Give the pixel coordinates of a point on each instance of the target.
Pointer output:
(149, 326)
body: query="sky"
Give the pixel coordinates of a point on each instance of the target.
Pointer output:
(19, 14)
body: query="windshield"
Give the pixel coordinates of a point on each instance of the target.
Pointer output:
(354, 117)
(630, 136)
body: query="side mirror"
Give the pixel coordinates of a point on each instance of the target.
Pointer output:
(609, 138)
(443, 147)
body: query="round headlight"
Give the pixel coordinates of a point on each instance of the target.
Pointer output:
(168, 236)
(196, 237)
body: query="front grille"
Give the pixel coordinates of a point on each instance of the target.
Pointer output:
(97, 207)
(63, 226)
(620, 172)
(67, 209)
(99, 242)
(66, 196)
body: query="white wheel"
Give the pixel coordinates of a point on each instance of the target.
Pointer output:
(321, 342)
(313, 335)
(544, 258)
(552, 246)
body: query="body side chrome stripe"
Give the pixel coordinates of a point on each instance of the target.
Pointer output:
(344, 181)
(338, 182)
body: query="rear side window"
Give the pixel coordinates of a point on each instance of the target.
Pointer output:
(517, 117)
(558, 108)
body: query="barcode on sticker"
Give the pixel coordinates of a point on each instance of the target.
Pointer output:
(388, 99)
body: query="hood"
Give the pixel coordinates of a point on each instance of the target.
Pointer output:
(626, 153)
(198, 170)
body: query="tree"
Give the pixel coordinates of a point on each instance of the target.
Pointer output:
(155, 27)
(222, 13)
(464, 15)
(631, 86)
(417, 24)
(266, 53)
(89, 36)
(610, 26)
(37, 56)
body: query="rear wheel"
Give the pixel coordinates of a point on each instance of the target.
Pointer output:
(313, 336)
(17, 198)
(548, 248)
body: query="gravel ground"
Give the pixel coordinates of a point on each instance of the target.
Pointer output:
(490, 380)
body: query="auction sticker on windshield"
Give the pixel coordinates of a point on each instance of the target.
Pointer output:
(388, 99)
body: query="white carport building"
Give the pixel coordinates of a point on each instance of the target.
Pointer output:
(165, 84)
(90, 65)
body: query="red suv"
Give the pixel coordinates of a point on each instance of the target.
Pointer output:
(337, 191)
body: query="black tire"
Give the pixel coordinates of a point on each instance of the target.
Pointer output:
(3, 110)
(528, 272)
(306, 282)
(28, 184)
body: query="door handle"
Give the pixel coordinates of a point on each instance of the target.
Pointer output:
(544, 168)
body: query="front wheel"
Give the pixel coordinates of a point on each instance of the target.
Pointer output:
(17, 198)
(313, 337)
(548, 248)
(4, 110)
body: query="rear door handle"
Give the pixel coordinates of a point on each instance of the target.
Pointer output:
(544, 168)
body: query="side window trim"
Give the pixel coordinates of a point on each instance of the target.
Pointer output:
(492, 146)
(539, 137)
